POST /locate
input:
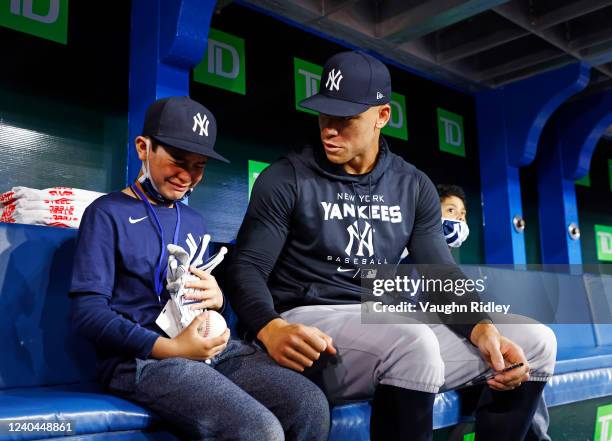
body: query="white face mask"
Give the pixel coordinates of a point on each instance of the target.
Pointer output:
(149, 186)
(455, 232)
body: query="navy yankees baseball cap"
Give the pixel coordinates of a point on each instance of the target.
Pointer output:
(351, 83)
(182, 123)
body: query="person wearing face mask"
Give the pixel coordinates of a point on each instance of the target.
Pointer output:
(316, 218)
(452, 204)
(203, 387)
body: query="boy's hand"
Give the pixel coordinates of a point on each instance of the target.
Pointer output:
(190, 344)
(206, 289)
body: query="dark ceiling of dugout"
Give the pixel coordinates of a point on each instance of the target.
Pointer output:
(473, 44)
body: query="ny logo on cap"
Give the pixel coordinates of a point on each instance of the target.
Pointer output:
(333, 79)
(200, 122)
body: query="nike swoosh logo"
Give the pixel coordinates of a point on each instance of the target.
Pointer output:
(135, 221)
(344, 270)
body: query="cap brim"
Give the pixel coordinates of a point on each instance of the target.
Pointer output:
(190, 147)
(333, 106)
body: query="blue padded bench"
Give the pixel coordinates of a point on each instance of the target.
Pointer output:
(46, 373)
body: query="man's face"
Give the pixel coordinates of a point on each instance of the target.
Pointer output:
(453, 208)
(173, 171)
(347, 140)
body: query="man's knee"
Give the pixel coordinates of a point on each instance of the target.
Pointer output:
(420, 344)
(414, 354)
(541, 350)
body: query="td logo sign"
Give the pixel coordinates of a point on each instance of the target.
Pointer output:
(397, 126)
(603, 424)
(224, 64)
(307, 82)
(450, 132)
(603, 239)
(46, 19)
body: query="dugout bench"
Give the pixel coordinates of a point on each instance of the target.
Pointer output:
(47, 373)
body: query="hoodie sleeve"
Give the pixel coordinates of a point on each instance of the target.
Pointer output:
(432, 256)
(93, 278)
(259, 243)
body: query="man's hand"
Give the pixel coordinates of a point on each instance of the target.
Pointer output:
(206, 289)
(499, 353)
(294, 345)
(190, 344)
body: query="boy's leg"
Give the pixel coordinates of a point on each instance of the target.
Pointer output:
(299, 405)
(198, 401)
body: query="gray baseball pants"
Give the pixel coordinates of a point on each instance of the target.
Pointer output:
(411, 355)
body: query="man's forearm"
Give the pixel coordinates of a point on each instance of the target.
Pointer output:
(250, 297)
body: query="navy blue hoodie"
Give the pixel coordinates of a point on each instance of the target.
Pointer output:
(310, 226)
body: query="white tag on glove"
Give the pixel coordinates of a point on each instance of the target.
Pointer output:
(169, 320)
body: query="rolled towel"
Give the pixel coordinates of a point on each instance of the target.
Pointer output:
(53, 193)
(56, 206)
(42, 217)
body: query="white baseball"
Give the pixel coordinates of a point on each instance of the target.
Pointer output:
(213, 325)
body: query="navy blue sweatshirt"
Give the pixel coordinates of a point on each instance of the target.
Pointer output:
(114, 303)
(310, 226)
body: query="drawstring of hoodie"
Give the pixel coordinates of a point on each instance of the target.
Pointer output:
(369, 206)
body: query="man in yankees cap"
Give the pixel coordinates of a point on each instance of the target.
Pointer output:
(315, 218)
(203, 387)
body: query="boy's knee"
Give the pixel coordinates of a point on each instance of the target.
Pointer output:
(262, 426)
(258, 425)
(311, 414)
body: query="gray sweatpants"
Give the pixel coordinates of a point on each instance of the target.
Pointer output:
(410, 355)
(243, 395)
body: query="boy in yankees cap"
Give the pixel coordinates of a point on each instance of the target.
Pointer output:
(118, 291)
(315, 218)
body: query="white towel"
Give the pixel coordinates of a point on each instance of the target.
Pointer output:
(56, 206)
(42, 217)
(53, 193)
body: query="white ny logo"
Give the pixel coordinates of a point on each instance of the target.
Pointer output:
(365, 239)
(198, 121)
(333, 79)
